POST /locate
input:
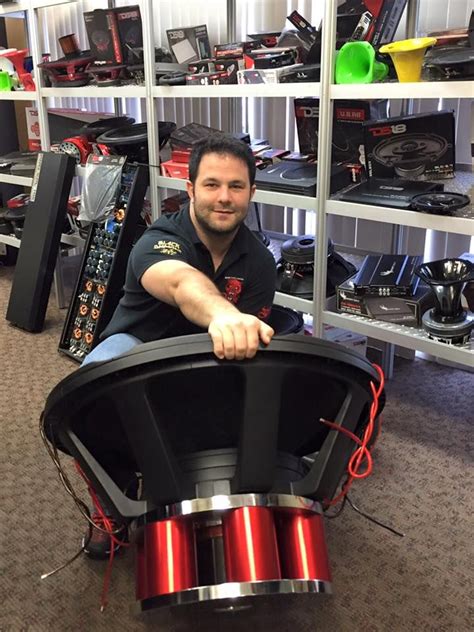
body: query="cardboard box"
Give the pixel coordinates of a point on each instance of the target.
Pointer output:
(129, 23)
(254, 75)
(348, 131)
(103, 33)
(383, 17)
(235, 49)
(208, 79)
(231, 66)
(406, 310)
(189, 44)
(416, 147)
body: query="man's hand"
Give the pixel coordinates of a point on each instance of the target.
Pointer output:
(236, 336)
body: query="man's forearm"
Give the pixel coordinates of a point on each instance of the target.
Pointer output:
(199, 299)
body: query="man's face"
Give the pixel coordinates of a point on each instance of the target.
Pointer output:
(221, 194)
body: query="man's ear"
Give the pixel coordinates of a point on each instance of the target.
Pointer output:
(190, 189)
(253, 188)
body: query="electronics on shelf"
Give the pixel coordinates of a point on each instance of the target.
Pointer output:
(387, 275)
(102, 273)
(396, 193)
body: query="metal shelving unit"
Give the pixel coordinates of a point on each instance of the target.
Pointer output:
(323, 205)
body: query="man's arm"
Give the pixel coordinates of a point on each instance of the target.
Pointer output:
(235, 335)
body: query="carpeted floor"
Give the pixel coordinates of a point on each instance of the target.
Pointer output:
(422, 485)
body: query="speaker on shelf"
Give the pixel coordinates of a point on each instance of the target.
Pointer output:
(40, 241)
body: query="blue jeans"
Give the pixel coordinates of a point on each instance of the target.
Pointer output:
(112, 347)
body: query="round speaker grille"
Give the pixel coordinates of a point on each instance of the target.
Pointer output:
(439, 203)
(410, 152)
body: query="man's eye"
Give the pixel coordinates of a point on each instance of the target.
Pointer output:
(211, 185)
(237, 186)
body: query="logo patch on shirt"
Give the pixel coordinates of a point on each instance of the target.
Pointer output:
(233, 289)
(168, 247)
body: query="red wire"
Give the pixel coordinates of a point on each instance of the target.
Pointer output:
(362, 453)
(108, 525)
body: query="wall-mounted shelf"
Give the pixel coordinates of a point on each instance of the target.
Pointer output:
(408, 337)
(417, 90)
(387, 215)
(293, 302)
(256, 90)
(8, 178)
(96, 92)
(18, 95)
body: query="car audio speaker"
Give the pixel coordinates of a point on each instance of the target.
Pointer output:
(439, 203)
(409, 155)
(40, 241)
(447, 322)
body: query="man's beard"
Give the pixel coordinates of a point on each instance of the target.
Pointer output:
(214, 229)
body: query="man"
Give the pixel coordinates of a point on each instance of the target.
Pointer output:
(195, 270)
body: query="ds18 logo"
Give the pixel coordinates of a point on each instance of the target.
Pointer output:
(306, 111)
(401, 128)
(176, 35)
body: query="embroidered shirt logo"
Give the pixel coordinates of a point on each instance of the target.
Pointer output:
(233, 289)
(168, 247)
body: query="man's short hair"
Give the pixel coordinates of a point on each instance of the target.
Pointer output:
(223, 144)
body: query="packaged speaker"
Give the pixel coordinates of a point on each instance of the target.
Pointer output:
(103, 33)
(378, 19)
(189, 44)
(348, 133)
(416, 147)
(129, 24)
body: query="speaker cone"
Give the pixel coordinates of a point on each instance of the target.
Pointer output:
(447, 321)
(439, 203)
(409, 155)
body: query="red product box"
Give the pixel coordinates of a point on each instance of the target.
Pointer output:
(171, 169)
(180, 155)
(234, 49)
(208, 79)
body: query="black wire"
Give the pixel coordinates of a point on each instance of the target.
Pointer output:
(337, 513)
(372, 519)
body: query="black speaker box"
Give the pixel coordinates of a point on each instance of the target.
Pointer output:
(40, 241)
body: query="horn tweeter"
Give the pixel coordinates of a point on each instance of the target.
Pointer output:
(447, 322)
(407, 56)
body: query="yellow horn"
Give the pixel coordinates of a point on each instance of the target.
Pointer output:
(407, 56)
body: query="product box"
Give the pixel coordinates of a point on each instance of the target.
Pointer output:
(270, 75)
(406, 310)
(234, 49)
(129, 23)
(208, 79)
(348, 133)
(171, 169)
(378, 19)
(416, 147)
(33, 129)
(231, 66)
(188, 135)
(189, 44)
(201, 65)
(103, 33)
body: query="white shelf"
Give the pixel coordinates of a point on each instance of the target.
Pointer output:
(96, 92)
(8, 178)
(71, 240)
(417, 90)
(238, 90)
(18, 95)
(14, 7)
(409, 337)
(10, 240)
(293, 302)
(386, 215)
(41, 4)
(263, 197)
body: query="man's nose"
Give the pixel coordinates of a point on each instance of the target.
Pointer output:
(224, 193)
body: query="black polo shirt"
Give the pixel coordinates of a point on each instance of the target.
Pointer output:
(246, 277)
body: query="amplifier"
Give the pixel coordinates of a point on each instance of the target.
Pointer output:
(104, 262)
(40, 241)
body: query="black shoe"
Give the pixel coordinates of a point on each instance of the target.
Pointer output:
(99, 544)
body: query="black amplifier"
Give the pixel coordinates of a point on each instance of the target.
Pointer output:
(104, 263)
(387, 275)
